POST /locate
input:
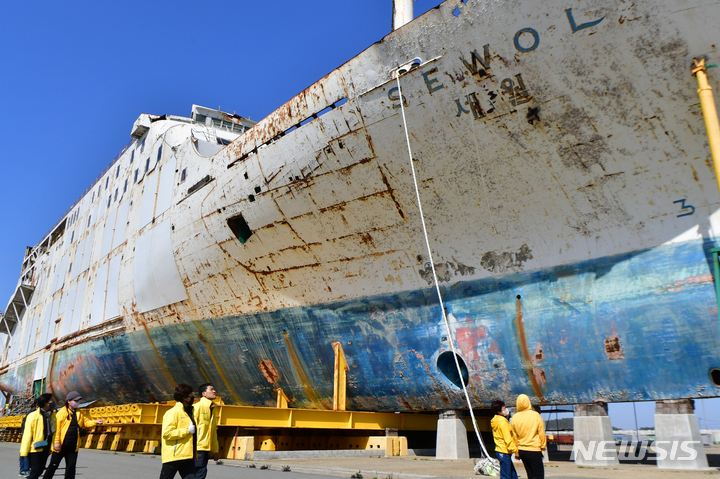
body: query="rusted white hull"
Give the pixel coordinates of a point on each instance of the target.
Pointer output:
(565, 181)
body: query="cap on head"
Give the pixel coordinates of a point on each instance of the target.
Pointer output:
(73, 396)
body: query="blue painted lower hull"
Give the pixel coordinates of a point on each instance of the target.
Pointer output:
(638, 326)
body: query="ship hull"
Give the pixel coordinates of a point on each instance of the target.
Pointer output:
(588, 341)
(568, 201)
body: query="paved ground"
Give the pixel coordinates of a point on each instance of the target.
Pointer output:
(109, 465)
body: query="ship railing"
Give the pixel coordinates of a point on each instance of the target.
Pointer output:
(229, 126)
(95, 181)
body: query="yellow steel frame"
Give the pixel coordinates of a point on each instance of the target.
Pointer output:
(136, 427)
(340, 379)
(269, 417)
(707, 104)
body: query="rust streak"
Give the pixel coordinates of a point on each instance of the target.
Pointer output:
(49, 373)
(152, 343)
(301, 373)
(197, 361)
(219, 370)
(391, 192)
(526, 352)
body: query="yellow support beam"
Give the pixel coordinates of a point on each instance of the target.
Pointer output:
(340, 379)
(136, 415)
(137, 427)
(282, 399)
(707, 104)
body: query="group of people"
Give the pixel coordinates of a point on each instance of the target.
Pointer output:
(525, 436)
(46, 430)
(189, 435)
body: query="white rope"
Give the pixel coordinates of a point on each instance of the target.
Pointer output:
(451, 339)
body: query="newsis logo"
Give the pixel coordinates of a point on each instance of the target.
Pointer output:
(634, 451)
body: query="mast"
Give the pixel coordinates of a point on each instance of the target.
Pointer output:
(402, 13)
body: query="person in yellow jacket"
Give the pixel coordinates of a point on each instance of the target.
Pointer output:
(37, 435)
(505, 445)
(529, 430)
(179, 445)
(207, 442)
(66, 440)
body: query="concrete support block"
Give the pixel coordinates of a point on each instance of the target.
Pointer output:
(451, 436)
(678, 444)
(594, 439)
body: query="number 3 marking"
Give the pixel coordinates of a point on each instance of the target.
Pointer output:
(683, 206)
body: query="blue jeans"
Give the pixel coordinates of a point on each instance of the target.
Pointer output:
(24, 466)
(201, 464)
(507, 468)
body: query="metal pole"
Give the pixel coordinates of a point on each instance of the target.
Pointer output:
(707, 104)
(402, 13)
(637, 433)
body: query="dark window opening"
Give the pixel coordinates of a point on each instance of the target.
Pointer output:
(147, 165)
(109, 200)
(183, 175)
(132, 156)
(251, 198)
(199, 184)
(257, 189)
(106, 182)
(246, 175)
(116, 192)
(125, 187)
(89, 218)
(117, 172)
(159, 153)
(136, 173)
(240, 228)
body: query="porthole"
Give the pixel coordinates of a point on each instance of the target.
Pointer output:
(715, 376)
(449, 371)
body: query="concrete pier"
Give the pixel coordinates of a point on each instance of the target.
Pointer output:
(678, 444)
(594, 440)
(451, 436)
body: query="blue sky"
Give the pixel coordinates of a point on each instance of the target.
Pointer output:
(75, 76)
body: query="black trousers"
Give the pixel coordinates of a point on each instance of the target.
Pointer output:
(185, 467)
(37, 463)
(533, 462)
(70, 456)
